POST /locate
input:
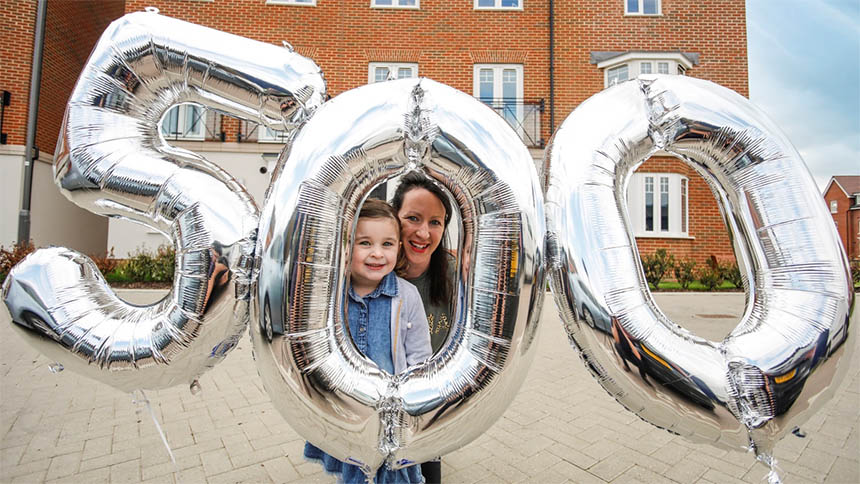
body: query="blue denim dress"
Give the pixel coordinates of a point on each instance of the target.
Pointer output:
(370, 327)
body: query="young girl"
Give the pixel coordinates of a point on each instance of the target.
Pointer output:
(386, 320)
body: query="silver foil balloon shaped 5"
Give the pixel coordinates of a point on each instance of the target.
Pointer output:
(112, 160)
(323, 386)
(789, 349)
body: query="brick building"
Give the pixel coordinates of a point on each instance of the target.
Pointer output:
(533, 61)
(842, 196)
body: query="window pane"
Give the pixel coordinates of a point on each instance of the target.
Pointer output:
(632, 6)
(170, 125)
(486, 3)
(664, 204)
(406, 3)
(380, 74)
(510, 3)
(485, 88)
(509, 95)
(382, 2)
(649, 7)
(649, 203)
(193, 118)
(616, 75)
(662, 67)
(404, 73)
(645, 68)
(684, 205)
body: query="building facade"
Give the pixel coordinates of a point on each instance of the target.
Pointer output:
(842, 196)
(532, 61)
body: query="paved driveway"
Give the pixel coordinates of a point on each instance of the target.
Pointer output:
(561, 427)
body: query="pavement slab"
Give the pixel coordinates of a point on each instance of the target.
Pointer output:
(561, 426)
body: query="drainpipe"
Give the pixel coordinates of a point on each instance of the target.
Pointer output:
(32, 116)
(551, 69)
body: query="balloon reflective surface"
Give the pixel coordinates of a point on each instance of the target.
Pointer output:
(324, 387)
(112, 160)
(788, 351)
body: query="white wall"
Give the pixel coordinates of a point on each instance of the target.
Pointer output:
(11, 174)
(53, 219)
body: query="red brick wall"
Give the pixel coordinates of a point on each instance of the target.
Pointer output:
(714, 29)
(16, 46)
(845, 220)
(853, 246)
(71, 32)
(444, 38)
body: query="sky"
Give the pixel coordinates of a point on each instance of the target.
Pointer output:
(804, 73)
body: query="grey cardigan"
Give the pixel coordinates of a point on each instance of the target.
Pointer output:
(410, 334)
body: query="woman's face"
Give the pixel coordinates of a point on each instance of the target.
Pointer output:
(422, 221)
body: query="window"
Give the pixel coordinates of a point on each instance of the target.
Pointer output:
(498, 4)
(394, 3)
(642, 7)
(305, 3)
(185, 121)
(623, 66)
(658, 204)
(500, 86)
(616, 75)
(382, 71)
(834, 207)
(267, 135)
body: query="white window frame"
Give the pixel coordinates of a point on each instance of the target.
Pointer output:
(392, 67)
(640, 6)
(675, 62)
(295, 3)
(834, 206)
(498, 69)
(679, 209)
(266, 135)
(394, 4)
(497, 5)
(197, 135)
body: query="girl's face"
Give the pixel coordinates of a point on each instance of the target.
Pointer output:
(374, 254)
(422, 218)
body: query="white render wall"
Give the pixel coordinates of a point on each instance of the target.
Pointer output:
(53, 219)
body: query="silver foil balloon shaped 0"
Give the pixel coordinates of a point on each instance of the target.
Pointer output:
(326, 390)
(789, 350)
(112, 160)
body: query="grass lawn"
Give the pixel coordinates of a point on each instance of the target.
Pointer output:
(694, 286)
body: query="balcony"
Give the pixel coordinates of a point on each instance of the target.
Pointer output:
(523, 115)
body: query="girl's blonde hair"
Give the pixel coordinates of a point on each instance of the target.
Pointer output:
(375, 208)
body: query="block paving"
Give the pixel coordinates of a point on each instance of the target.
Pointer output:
(561, 426)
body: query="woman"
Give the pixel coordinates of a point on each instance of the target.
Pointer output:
(424, 212)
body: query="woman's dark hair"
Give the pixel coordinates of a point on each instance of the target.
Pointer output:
(440, 286)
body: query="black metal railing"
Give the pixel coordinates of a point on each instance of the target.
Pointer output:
(524, 116)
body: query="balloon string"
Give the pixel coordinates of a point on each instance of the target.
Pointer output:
(143, 401)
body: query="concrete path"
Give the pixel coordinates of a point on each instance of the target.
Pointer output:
(561, 427)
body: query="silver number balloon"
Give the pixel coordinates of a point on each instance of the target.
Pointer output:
(324, 388)
(112, 160)
(788, 351)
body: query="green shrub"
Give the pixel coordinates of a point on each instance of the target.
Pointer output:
(144, 266)
(855, 272)
(733, 275)
(656, 266)
(685, 272)
(712, 275)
